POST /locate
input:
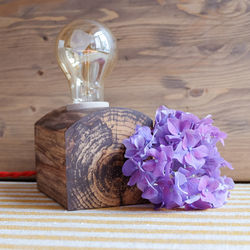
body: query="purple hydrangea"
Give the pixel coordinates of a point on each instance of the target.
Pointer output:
(176, 163)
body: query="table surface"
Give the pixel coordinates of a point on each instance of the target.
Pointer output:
(30, 220)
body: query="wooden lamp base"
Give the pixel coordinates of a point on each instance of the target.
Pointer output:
(79, 156)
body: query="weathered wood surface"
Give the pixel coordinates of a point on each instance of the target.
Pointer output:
(50, 152)
(79, 157)
(50, 161)
(191, 55)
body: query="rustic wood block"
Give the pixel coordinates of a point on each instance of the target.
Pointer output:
(79, 156)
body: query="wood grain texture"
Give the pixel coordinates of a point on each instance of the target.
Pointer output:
(191, 55)
(50, 158)
(79, 157)
(50, 152)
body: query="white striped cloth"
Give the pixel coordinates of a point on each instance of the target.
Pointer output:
(30, 220)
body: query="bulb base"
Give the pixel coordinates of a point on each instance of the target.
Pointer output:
(87, 105)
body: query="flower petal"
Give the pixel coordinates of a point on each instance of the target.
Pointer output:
(179, 153)
(153, 152)
(145, 132)
(173, 126)
(168, 151)
(213, 184)
(135, 177)
(193, 198)
(184, 125)
(129, 167)
(203, 182)
(130, 153)
(149, 165)
(190, 139)
(208, 197)
(180, 179)
(200, 152)
(149, 193)
(199, 204)
(192, 161)
(139, 141)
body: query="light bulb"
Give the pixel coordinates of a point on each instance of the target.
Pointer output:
(86, 52)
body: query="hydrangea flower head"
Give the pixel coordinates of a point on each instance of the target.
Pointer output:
(176, 163)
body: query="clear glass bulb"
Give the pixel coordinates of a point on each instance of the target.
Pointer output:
(86, 52)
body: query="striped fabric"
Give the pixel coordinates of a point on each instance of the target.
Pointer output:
(30, 220)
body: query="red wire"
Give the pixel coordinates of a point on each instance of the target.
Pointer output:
(17, 174)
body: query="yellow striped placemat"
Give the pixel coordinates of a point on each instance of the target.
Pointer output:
(30, 220)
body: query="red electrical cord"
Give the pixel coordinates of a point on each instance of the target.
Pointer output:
(17, 174)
